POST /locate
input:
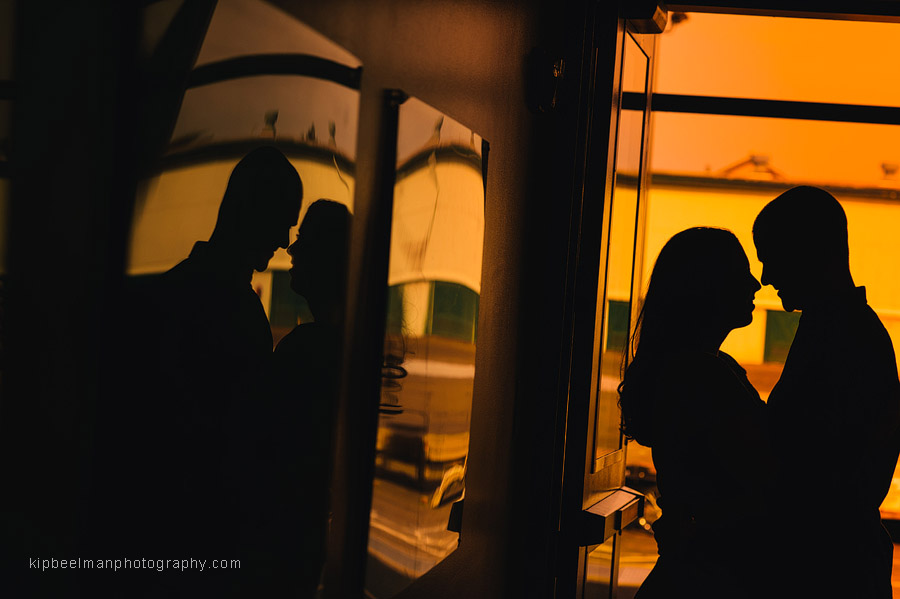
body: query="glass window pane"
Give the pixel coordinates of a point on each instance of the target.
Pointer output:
(313, 123)
(638, 545)
(780, 150)
(598, 579)
(437, 237)
(777, 58)
(616, 298)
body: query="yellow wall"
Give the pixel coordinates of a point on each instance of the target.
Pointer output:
(437, 232)
(874, 249)
(179, 207)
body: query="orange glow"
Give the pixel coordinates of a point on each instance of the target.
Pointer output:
(783, 59)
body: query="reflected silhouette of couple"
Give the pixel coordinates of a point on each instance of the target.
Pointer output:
(778, 498)
(230, 452)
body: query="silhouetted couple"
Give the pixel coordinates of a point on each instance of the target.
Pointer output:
(766, 499)
(231, 443)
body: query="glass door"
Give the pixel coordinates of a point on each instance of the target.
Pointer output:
(605, 490)
(597, 504)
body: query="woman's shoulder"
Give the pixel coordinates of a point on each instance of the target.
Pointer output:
(695, 364)
(706, 376)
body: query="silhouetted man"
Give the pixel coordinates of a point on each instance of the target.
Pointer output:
(835, 412)
(307, 367)
(211, 484)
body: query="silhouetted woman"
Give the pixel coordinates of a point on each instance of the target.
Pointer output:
(693, 405)
(307, 369)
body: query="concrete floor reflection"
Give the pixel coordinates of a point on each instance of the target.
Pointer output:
(407, 537)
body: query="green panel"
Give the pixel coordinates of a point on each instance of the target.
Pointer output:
(617, 326)
(454, 312)
(780, 329)
(395, 318)
(287, 308)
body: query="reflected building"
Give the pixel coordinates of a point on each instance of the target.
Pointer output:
(434, 285)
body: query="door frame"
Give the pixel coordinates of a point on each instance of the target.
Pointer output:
(582, 488)
(586, 480)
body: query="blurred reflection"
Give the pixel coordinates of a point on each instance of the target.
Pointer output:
(616, 298)
(434, 284)
(311, 119)
(307, 372)
(599, 569)
(261, 78)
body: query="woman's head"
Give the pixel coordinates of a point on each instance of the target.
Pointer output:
(319, 255)
(700, 290)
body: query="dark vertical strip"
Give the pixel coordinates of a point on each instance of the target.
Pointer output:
(165, 77)
(358, 411)
(74, 68)
(485, 151)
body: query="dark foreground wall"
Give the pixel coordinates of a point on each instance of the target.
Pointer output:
(474, 61)
(74, 162)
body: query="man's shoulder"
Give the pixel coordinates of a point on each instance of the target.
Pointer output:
(309, 339)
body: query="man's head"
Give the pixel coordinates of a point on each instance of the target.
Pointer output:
(801, 240)
(260, 205)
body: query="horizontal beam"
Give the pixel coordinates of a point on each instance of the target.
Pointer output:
(276, 64)
(884, 11)
(235, 150)
(779, 109)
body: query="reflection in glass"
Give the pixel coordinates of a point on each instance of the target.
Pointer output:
(599, 566)
(637, 554)
(434, 284)
(312, 121)
(616, 306)
(269, 107)
(252, 27)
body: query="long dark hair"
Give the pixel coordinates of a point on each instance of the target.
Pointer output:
(683, 279)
